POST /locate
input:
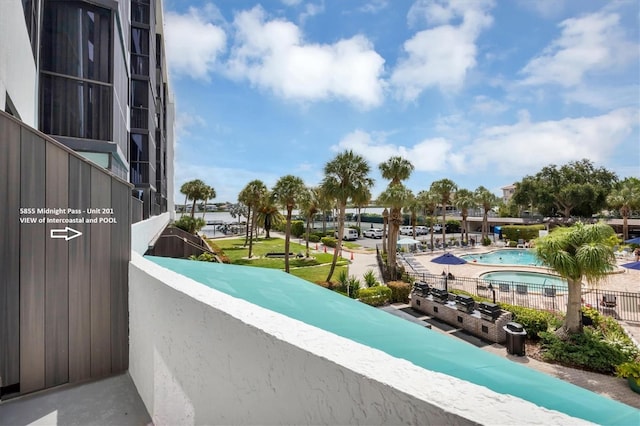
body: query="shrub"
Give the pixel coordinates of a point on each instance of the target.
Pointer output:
(204, 257)
(524, 232)
(399, 291)
(534, 321)
(370, 278)
(347, 285)
(314, 238)
(486, 241)
(585, 350)
(375, 296)
(629, 369)
(329, 241)
(190, 224)
(297, 228)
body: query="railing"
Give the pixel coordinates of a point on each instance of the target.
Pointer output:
(624, 306)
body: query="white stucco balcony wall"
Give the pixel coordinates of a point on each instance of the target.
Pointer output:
(199, 356)
(145, 232)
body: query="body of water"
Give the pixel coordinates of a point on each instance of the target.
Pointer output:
(505, 257)
(537, 280)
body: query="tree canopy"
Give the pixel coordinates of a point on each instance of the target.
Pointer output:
(574, 189)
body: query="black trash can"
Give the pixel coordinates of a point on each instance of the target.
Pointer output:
(515, 338)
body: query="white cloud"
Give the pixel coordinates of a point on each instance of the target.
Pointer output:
(193, 43)
(485, 105)
(592, 43)
(374, 6)
(428, 155)
(291, 2)
(605, 97)
(545, 8)
(185, 121)
(525, 147)
(273, 55)
(440, 56)
(310, 10)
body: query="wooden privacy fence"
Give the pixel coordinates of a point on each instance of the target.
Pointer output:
(65, 245)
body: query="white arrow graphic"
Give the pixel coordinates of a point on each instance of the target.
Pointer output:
(66, 233)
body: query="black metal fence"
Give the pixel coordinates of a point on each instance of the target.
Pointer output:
(624, 306)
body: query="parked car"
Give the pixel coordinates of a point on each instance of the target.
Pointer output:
(350, 234)
(373, 233)
(437, 227)
(406, 230)
(422, 230)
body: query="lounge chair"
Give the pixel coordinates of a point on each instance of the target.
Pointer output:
(549, 292)
(504, 287)
(609, 301)
(522, 289)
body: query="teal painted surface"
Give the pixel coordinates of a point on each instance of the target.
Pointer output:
(325, 309)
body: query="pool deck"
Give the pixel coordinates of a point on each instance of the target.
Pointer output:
(621, 280)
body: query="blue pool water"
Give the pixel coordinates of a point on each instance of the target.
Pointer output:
(533, 280)
(504, 257)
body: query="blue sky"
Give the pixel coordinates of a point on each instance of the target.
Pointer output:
(481, 92)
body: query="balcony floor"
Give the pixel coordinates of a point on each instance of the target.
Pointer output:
(110, 401)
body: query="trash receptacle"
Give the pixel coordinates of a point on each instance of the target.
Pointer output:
(515, 338)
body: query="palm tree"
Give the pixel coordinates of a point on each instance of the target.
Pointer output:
(429, 202)
(396, 169)
(345, 177)
(412, 206)
(445, 188)
(288, 191)
(208, 193)
(309, 208)
(268, 214)
(362, 200)
(575, 253)
(195, 190)
(625, 197)
(325, 204)
(464, 201)
(486, 199)
(395, 196)
(252, 195)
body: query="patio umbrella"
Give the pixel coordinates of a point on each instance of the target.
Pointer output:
(448, 259)
(632, 265)
(635, 240)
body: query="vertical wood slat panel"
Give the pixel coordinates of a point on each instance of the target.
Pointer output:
(9, 250)
(120, 254)
(57, 271)
(79, 275)
(32, 272)
(100, 278)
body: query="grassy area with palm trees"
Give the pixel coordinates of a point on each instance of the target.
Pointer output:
(313, 268)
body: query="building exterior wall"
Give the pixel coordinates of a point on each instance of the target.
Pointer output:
(17, 64)
(198, 356)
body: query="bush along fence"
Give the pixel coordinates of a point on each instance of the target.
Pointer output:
(624, 306)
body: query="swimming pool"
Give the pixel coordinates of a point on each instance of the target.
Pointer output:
(505, 257)
(533, 280)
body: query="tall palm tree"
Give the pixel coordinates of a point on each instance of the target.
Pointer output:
(325, 204)
(412, 206)
(288, 191)
(252, 195)
(268, 214)
(309, 208)
(445, 188)
(186, 190)
(395, 196)
(195, 190)
(346, 176)
(396, 169)
(576, 253)
(464, 200)
(209, 193)
(429, 202)
(625, 197)
(360, 201)
(485, 199)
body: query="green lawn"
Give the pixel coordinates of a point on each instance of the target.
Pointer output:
(314, 269)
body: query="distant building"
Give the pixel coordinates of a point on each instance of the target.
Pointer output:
(507, 192)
